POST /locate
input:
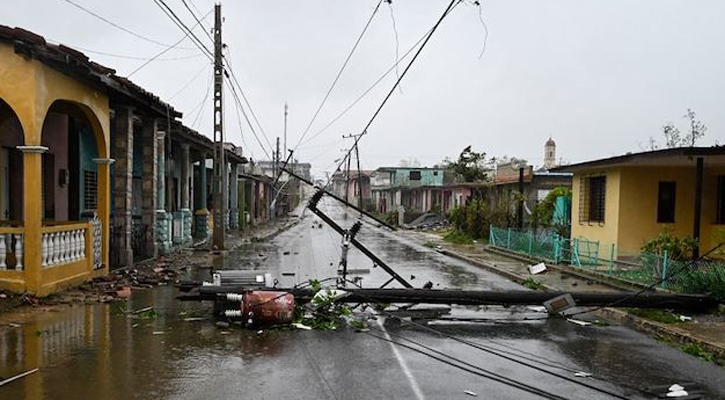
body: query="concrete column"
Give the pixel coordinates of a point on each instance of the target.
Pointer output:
(122, 152)
(163, 231)
(149, 182)
(201, 216)
(32, 217)
(185, 193)
(234, 196)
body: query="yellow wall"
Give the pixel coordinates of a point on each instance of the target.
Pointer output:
(607, 232)
(30, 87)
(631, 207)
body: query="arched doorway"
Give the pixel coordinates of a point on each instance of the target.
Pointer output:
(69, 172)
(11, 166)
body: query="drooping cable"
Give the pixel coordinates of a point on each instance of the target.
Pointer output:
(159, 54)
(198, 21)
(119, 27)
(184, 28)
(397, 82)
(189, 82)
(339, 73)
(470, 368)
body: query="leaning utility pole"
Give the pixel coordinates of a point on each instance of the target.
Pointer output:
(220, 161)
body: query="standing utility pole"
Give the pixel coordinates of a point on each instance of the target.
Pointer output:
(220, 161)
(285, 129)
(359, 172)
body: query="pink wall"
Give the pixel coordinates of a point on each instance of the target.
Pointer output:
(55, 138)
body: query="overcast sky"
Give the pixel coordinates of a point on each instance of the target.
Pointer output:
(600, 77)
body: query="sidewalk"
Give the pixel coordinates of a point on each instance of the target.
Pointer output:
(703, 336)
(120, 283)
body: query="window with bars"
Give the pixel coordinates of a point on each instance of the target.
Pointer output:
(720, 216)
(90, 190)
(414, 175)
(592, 199)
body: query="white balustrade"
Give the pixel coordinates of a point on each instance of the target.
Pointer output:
(3, 252)
(97, 241)
(63, 247)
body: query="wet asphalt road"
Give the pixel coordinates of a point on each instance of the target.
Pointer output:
(97, 352)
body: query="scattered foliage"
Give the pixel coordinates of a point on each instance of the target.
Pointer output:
(533, 284)
(661, 316)
(458, 237)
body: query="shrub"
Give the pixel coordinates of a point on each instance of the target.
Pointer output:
(677, 248)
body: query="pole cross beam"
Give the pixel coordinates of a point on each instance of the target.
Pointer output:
(313, 207)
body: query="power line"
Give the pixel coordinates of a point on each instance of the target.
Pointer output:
(397, 82)
(197, 21)
(339, 73)
(374, 84)
(471, 368)
(186, 85)
(203, 101)
(244, 97)
(500, 354)
(163, 51)
(184, 28)
(238, 103)
(115, 25)
(126, 56)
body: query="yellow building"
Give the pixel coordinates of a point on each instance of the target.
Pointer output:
(623, 201)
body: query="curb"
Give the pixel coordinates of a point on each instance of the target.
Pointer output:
(579, 273)
(610, 314)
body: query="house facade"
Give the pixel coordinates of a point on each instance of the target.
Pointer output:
(95, 172)
(624, 201)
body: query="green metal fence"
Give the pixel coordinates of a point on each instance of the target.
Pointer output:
(546, 245)
(704, 276)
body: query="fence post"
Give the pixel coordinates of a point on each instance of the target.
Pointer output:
(575, 252)
(531, 243)
(611, 259)
(508, 240)
(665, 264)
(491, 236)
(556, 249)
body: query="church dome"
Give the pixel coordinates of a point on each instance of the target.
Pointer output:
(550, 142)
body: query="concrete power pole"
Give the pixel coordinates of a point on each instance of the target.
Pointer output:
(285, 128)
(220, 161)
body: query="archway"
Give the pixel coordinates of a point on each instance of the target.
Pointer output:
(70, 175)
(11, 166)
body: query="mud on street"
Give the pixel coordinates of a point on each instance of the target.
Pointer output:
(153, 346)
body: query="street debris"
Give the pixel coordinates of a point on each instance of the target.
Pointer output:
(676, 391)
(559, 303)
(582, 374)
(18, 376)
(301, 326)
(578, 322)
(537, 268)
(222, 324)
(537, 308)
(470, 393)
(158, 332)
(685, 318)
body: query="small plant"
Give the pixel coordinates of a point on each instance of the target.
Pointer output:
(661, 316)
(677, 248)
(458, 237)
(696, 350)
(430, 244)
(532, 284)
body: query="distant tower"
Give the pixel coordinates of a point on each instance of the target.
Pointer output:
(550, 154)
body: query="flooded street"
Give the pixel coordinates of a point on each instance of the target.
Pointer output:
(100, 351)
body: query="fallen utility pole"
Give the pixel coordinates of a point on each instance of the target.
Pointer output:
(482, 297)
(394, 275)
(367, 214)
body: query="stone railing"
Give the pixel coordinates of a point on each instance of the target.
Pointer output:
(11, 248)
(63, 244)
